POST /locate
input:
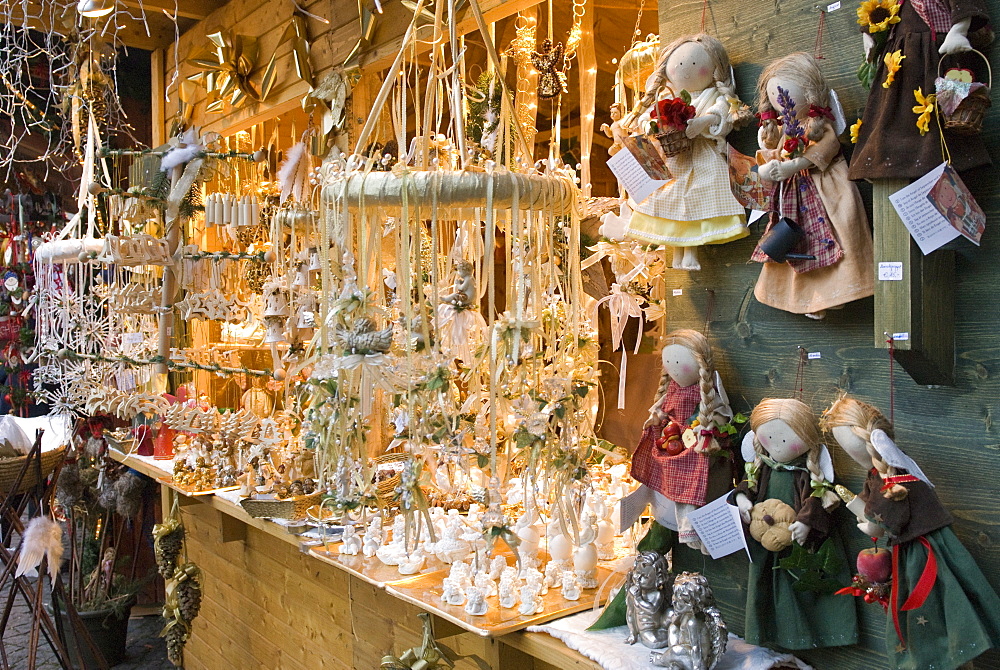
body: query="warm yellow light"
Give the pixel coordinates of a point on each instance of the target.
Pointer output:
(93, 9)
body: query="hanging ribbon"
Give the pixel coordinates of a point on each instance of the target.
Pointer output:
(917, 597)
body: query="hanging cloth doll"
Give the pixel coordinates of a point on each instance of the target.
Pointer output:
(801, 155)
(696, 206)
(890, 143)
(689, 389)
(942, 611)
(786, 464)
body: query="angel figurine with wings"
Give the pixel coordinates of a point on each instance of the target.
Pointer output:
(788, 500)
(942, 611)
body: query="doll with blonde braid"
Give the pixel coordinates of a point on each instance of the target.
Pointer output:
(940, 616)
(696, 206)
(788, 467)
(680, 454)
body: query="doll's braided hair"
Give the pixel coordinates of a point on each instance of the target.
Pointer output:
(711, 407)
(721, 72)
(801, 419)
(862, 419)
(803, 69)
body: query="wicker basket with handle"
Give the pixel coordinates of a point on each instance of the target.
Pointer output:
(674, 142)
(967, 119)
(278, 508)
(10, 468)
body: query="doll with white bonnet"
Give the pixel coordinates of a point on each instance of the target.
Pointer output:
(689, 390)
(696, 206)
(813, 190)
(940, 618)
(787, 466)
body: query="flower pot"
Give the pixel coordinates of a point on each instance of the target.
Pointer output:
(108, 631)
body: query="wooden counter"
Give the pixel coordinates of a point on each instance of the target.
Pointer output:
(269, 604)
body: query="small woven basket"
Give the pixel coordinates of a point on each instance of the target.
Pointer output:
(11, 467)
(967, 119)
(385, 490)
(287, 508)
(674, 142)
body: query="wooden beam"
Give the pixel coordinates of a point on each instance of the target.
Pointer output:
(157, 69)
(917, 311)
(188, 9)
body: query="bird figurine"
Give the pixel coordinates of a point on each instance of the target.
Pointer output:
(364, 339)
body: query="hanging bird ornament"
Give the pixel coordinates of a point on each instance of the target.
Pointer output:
(549, 62)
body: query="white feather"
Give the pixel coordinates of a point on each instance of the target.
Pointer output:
(290, 170)
(720, 390)
(839, 122)
(892, 455)
(181, 154)
(42, 539)
(746, 449)
(826, 463)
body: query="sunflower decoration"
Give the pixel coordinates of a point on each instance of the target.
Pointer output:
(924, 108)
(878, 15)
(855, 131)
(893, 61)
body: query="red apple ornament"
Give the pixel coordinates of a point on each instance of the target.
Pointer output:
(670, 439)
(875, 564)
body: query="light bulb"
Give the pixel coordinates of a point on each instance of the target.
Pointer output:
(93, 9)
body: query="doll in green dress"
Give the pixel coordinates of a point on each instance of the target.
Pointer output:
(788, 491)
(942, 610)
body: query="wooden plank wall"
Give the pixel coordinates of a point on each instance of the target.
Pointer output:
(268, 605)
(950, 431)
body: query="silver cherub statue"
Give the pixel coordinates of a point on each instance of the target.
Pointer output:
(646, 600)
(696, 633)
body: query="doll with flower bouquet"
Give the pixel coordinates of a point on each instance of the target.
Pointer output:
(691, 94)
(800, 153)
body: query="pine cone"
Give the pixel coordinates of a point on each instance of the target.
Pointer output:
(175, 639)
(189, 596)
(168, 549)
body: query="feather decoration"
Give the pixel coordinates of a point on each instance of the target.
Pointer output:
(188, 147)
(294, 173)
(42, 539)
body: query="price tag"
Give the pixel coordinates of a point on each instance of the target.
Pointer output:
(898, 337)
(132, 338)
(890, 271)
(832, 7)
(678, 291)
(813, 355)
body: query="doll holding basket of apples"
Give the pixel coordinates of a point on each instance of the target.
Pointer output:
(941, 610)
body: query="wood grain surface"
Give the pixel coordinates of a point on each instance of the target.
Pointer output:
(949, 431)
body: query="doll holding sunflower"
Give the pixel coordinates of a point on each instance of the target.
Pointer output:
(904, 42)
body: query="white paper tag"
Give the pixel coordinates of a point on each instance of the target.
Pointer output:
(832, 7)
(813, 355)
(890, 271)
(678, 291)
(900, 337)
(754, 215)
(132, 338)
(632, 176)
(719, 528)
(926, 224)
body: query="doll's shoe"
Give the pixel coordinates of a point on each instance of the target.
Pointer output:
(816, 315)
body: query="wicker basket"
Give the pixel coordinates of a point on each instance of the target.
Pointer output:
(10, 468)
(967, 119)
(288, 508)
(385, 490)
(674, 142)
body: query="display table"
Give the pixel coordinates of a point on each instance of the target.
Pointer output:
(271, 603)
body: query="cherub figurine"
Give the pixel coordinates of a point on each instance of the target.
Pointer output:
(696, 633)
(373, 537)
(570, 587)
(645, 600)
(463, 293)
(350, 542)
(615, 132)
(531, 602)
(452, 592)
(476, 605)
(509, 585)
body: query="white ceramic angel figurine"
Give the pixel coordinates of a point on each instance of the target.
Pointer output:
(497, 566)
(461, 573)
(570, 586)
(350, 542)
(413, 563)
(615, 132)
(452, 592)
(515, 492)
(476, 604)
(509, 587)
(585, 557)
(373, 537)
(560, 553)
(451, 547)
(695, 207)
(483, 582)
(531, 602)
(534, 573)
(529, 538)
(395, 551)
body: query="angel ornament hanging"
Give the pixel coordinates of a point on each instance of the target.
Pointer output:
(462, 326)
(549, 61)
